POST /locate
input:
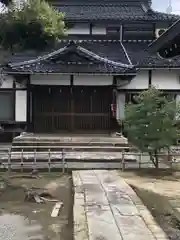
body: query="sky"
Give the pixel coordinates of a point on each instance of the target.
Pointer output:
(161, 5)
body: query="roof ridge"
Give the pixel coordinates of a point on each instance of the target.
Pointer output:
(126, 54)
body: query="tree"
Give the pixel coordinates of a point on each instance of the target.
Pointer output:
(151, 122)
(6, 2)
(33, 25)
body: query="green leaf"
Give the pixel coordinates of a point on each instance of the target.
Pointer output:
(150, 124)
(35, 25)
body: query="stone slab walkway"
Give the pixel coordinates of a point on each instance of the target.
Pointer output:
(106, 207)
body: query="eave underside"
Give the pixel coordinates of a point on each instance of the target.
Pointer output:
(168, 44)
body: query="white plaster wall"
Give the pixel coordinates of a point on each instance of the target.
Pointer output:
(50, 79)
(120, 106)
(99, 30)
(141, 81)
(81, 28)
(93, 80)
(166, 79)
(7, 82)
(21, 105)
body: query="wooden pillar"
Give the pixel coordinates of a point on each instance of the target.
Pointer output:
(14, 99)
(72, 102)
(28, 114)
(149, 78)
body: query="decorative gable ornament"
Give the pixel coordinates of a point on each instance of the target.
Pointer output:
(159, 32)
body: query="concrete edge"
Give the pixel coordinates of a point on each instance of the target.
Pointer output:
(79, 215)
(149, 220)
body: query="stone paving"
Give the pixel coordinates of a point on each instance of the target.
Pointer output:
(106, 207)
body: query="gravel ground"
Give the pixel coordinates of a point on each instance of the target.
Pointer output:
(20, 220)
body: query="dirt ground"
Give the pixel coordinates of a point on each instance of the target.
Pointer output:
(21, 220)
(156, 189)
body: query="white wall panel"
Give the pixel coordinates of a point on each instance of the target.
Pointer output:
(98, 30)
(141, 81)
(120, 106)
(7, 82)
(21, 106)
(166, 79)
(90, 80)
(80, 29)
(50, 79)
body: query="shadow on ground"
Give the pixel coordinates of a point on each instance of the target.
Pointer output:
(163, 174)
(159, 208)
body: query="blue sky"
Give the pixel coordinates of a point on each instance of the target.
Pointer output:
(161, 5)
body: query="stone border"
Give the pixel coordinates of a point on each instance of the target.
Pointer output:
(79, 213)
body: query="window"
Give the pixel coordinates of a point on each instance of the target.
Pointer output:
(131, 97)
(6, 106)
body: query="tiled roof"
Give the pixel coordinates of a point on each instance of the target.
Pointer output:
(72, 68)
(168, 36)
(143, 59)
(103, 12)
(108, 49)
(76, 59)
(93, 57)
(109, 10)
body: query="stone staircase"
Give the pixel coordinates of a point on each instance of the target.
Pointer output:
(77, 151)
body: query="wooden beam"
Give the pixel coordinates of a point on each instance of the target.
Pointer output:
(28, 114)
(149, 78)
(14, 100)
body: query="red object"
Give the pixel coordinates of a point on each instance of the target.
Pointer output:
(113, 109)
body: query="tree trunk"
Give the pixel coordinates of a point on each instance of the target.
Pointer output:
(154, 158)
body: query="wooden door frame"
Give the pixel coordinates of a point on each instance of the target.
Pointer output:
(71, 114)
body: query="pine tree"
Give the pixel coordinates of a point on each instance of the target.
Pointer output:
(33, 25)
(151, 122)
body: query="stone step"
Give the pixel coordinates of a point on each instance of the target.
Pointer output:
(68, 156)
(41, 148)
(76, 138)
(70, 143)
